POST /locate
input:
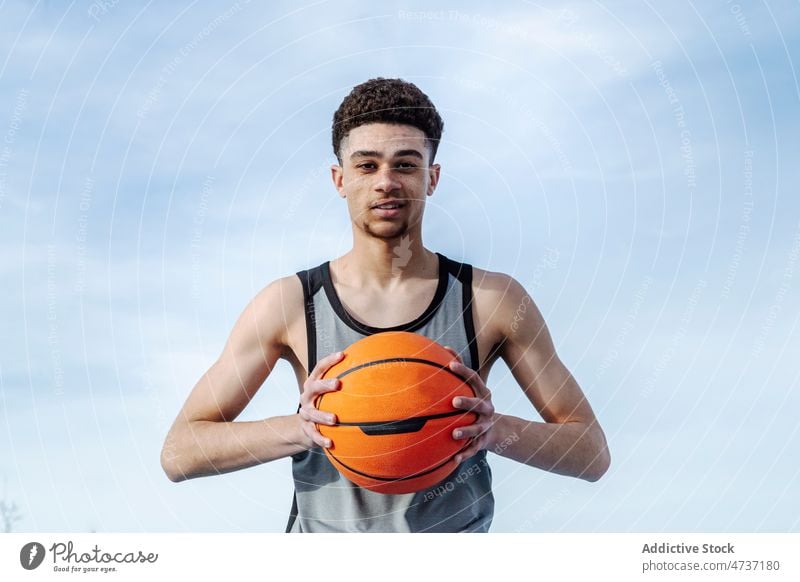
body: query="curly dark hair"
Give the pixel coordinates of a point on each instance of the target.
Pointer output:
(382, 100)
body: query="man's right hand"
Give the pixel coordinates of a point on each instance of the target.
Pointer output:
(313, 387)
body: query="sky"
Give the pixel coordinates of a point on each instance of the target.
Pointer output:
(631, 164)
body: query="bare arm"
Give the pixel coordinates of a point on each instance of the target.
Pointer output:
(204, 439)
(570, 441)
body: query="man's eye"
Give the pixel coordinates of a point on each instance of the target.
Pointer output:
(366, 166)
(406, 166)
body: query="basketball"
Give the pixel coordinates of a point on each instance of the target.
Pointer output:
(395, 414)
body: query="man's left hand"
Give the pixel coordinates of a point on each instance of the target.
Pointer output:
(480, 431)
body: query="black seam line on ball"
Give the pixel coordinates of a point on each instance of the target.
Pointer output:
(404, 425)
(390, 360)
(406, 478)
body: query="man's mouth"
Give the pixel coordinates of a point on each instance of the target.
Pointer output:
(393, 205)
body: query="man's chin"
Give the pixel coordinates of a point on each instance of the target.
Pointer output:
(386, 231)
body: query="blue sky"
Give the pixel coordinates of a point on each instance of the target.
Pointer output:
(631, 164)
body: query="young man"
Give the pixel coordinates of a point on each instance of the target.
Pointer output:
(385, 136)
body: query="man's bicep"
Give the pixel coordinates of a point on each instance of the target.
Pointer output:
(529, 352)
(251, 352)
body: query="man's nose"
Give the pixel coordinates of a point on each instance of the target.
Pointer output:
(387, 181)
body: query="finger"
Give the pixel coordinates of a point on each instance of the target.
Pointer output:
(470, 431)
(319, 440)
(323, 365)
(312, 389)
(455, 354)
(481, 406)
(471, 377)
(309, 398)
(318, 416)
(472, 450)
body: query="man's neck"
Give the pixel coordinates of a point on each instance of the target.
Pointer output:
(386, 263)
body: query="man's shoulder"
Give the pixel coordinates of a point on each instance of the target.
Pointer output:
(282, 297)
(282, 290)
(272, 313)
(504, 302)
(500, 287)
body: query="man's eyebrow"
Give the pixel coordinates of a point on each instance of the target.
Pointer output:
(377, 154)
(366, 154)
(413, 153)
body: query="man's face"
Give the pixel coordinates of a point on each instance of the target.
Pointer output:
(385, 176)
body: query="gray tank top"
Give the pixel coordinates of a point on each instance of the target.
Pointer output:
(324, 500)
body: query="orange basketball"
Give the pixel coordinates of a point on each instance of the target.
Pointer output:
(395, 413)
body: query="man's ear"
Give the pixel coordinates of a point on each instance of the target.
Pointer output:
(337, 175)
(433, 174)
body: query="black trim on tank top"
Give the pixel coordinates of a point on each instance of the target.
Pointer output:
(469, 323)
(311, 281)
(463, 273)
(292, 514)
(362, 328)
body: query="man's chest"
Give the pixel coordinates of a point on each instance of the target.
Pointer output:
(388, 308)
